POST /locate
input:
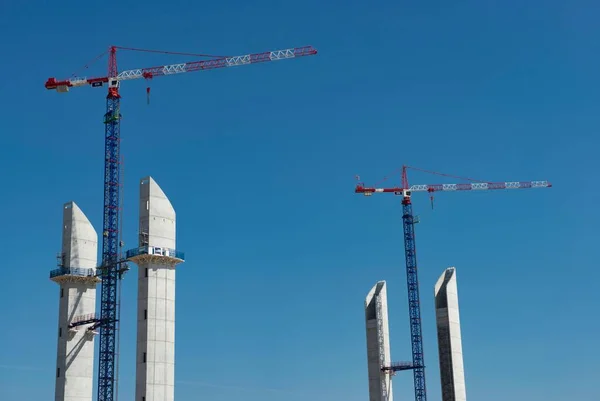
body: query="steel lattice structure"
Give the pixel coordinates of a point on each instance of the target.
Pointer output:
(414, 300)
(410, 250)
(110, 270)
(110, 237)
(151, 72)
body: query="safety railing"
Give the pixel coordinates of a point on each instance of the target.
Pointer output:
(89, 317)
(403, 364)
(73, 271)
(155, 250)
(397, 366)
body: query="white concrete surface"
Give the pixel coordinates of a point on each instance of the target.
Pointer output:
(77, 297)
(452, 373)
(378, 343)
(155, 365)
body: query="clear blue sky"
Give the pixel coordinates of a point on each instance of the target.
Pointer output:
(259, 163)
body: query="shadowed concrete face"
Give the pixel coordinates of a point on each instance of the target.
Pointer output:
(77, 300)
(155, 370)
(452, 373)
(378, 343)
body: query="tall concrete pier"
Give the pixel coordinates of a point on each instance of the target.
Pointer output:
(378, 343)
(452, 373)
(156, 258)
(76, 275)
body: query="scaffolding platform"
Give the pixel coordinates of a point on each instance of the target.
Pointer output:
(83, 319)
(399, 366)
(155, 254)
(73, 274)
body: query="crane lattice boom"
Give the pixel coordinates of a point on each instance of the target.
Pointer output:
(476, 186)
(148, 73)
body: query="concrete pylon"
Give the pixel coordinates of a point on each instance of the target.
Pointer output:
(76, 275)
(156, 257)
(378, 343)
(452, 372)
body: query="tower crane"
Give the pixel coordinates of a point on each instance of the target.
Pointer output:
(414, 303)
(110, 270)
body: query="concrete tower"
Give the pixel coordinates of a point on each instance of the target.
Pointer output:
(452, 371)
(378, 343)
(76, 276)
(156, 258)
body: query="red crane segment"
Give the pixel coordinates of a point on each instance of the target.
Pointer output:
(474, 185)
(477, 186)
(151, 72)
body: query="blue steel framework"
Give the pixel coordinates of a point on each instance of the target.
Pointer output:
(414, 303)
(412, 278)
(113, 267)
(110, 236)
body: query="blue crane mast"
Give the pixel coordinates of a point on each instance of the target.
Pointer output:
(410, 252)
(110, 235)
(414, 302)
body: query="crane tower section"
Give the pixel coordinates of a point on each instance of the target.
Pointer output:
(110, 235)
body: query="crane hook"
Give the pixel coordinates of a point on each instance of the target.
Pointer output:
(148, 95)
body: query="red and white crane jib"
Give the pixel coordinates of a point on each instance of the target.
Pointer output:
(476, 186)
(147, 73)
